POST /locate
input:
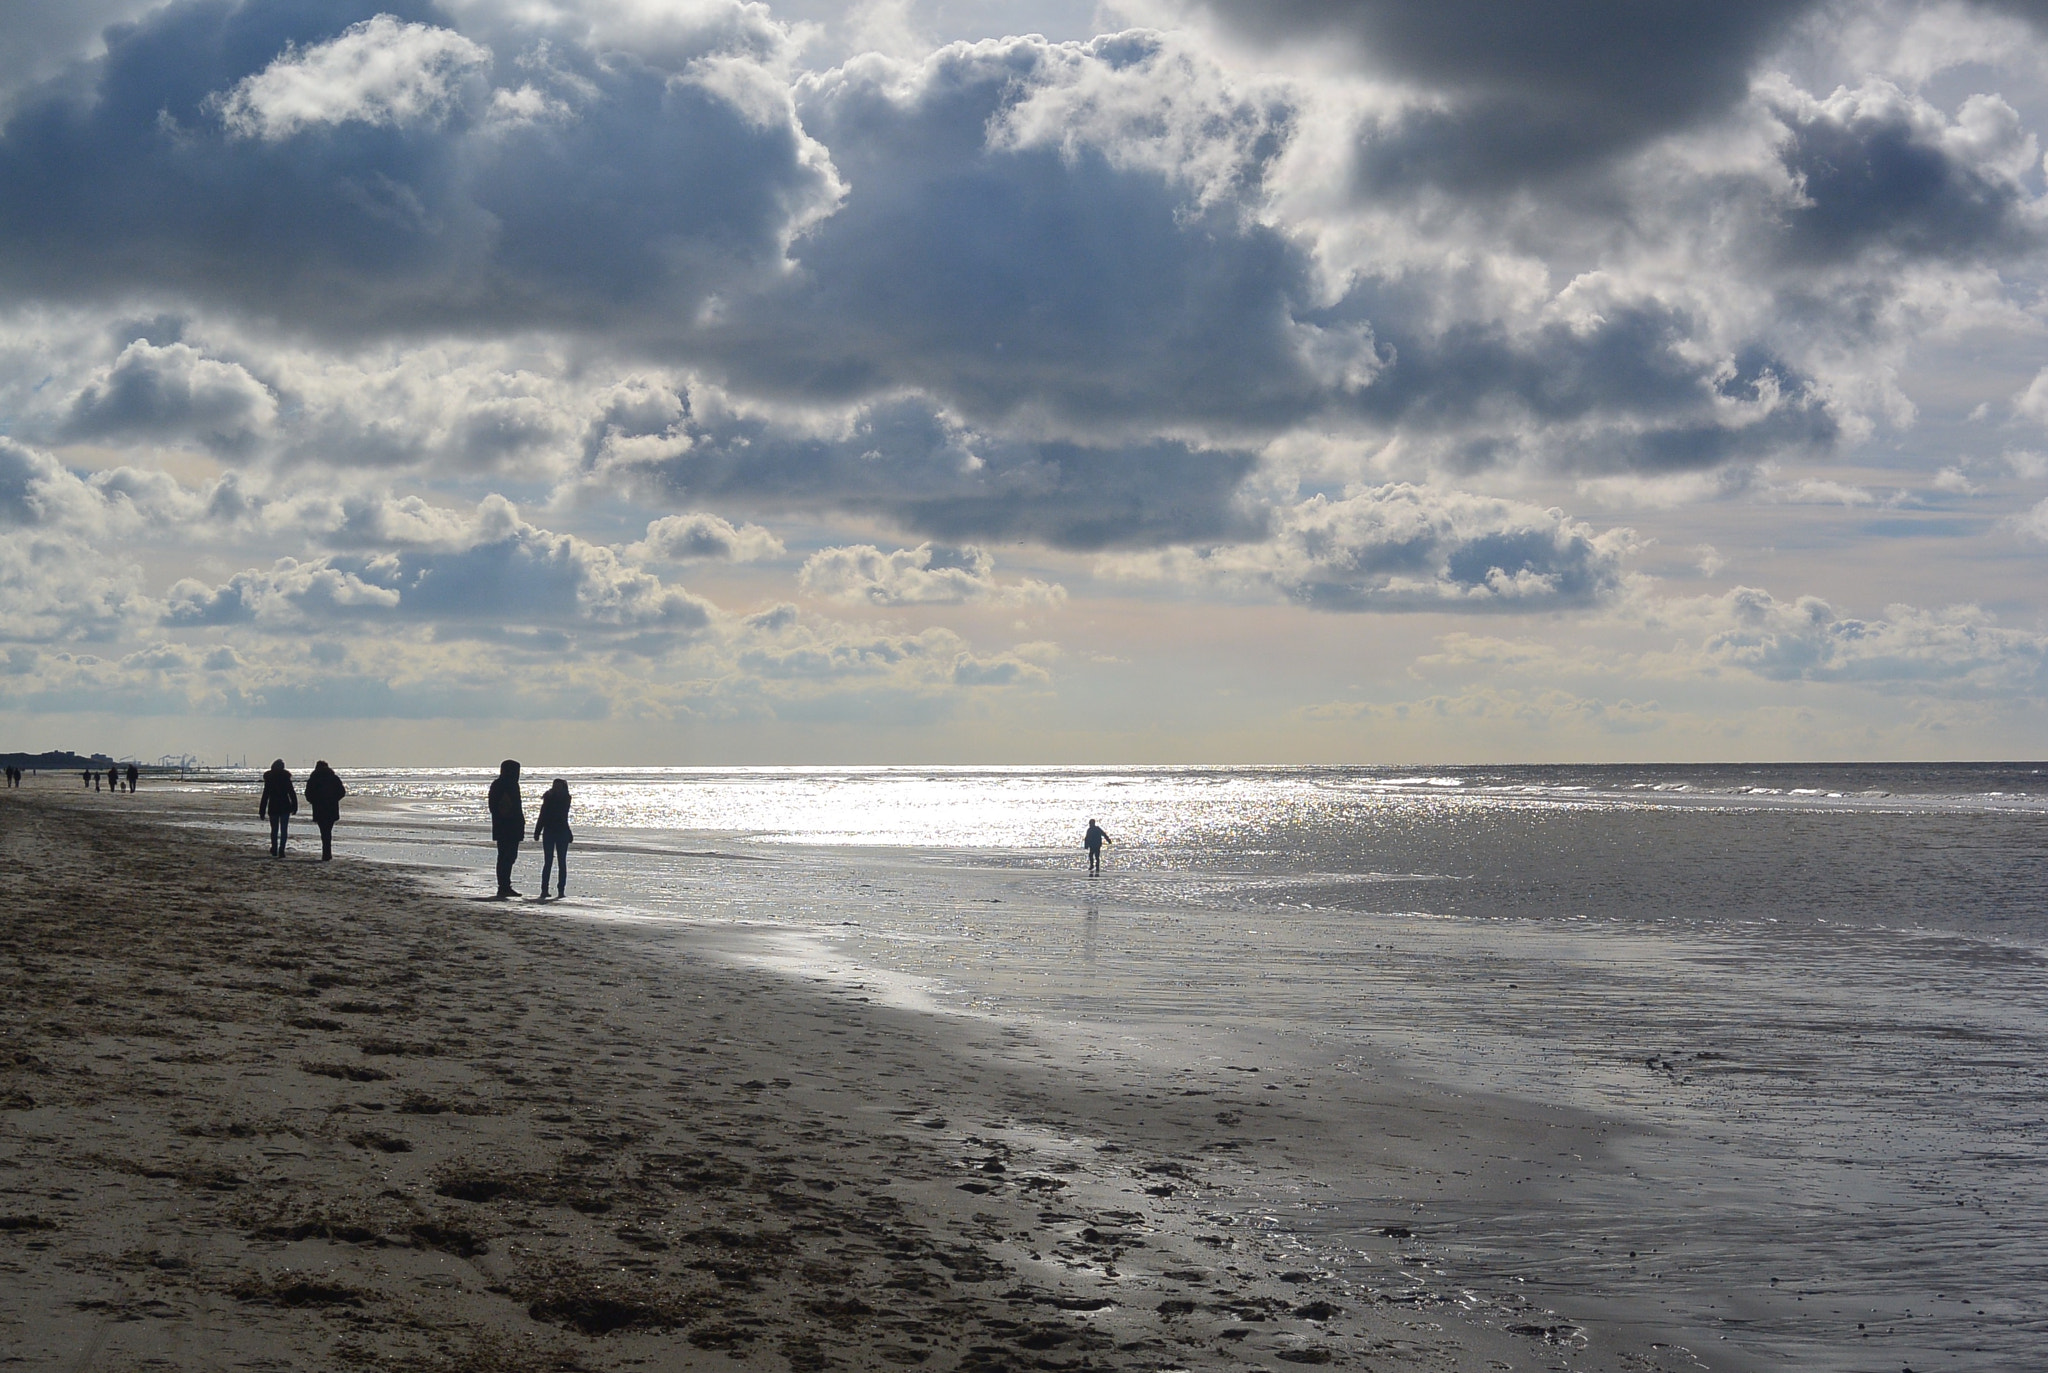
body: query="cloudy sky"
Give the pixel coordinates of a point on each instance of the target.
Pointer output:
(686, 381)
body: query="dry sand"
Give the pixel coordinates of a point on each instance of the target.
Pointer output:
(260, 1114)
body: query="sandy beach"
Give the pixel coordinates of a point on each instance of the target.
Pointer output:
(260, 1114)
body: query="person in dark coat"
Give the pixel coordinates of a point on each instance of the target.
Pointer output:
(133, 773)
(1093, 841)
(508, 823)
(113, 778)
(323, 797)
(552, 829)
(280, 802)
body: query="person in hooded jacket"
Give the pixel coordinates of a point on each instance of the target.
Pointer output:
(323, 797)
(552, 829)
(280, 802)
(508, 823)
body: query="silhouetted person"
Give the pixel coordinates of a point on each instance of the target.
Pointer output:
(1093, 841)
(508, 823)
(323, 797)
(552, 829)
(280, 802)
(113, 778)
(133, 773)
(91, 778)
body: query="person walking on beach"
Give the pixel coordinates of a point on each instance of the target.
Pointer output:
(508, 823)
(1093, 841)
(552, 829)
(323, 797)
(113, 777)
(280, 802)
(133, 773)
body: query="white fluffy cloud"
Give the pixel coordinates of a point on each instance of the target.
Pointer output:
(40, 494)
(703, 537)
(1958, 649)
(379, 71)
(503, 576)
(781, 646)
(927, 574)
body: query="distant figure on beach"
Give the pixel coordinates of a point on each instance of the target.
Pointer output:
(91, 778)
(113, 777)
(280, 802)
(133, 773)
(1093, 841)
(508, 823)
(323, 797)
(552, 829)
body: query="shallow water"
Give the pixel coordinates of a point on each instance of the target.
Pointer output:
(1819, 993)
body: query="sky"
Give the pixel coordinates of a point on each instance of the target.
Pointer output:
(693, 382)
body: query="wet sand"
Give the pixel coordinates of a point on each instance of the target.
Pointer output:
(287, 1114)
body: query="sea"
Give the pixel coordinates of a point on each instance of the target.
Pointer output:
(1814, 996)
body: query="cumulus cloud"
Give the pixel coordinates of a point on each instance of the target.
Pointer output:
(39, 494)
(1404, 547)
(702, 537)
(54, 590)
(1877, 169)
(504, 576)
(36, 491)
(2033, 404)
(929, 573)
(379, 71)
(172, 392)
(980, 257)
(2033, 524)
(1960, 649)
(786, 649)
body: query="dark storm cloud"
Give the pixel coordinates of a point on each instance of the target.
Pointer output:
(1005, 274)
(1528, 91)
(1872, 180)
(607, 193)
(903, 462)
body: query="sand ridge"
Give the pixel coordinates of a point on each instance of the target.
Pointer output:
(266, 1114)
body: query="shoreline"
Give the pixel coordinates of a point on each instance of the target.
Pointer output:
(269, 1107)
